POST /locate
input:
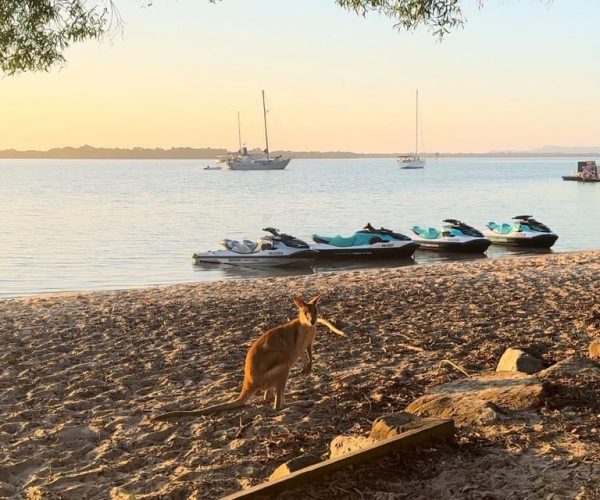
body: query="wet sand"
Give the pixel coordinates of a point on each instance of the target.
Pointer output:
(81, 373)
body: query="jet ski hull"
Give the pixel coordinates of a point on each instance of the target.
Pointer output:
(272, 258)
(384, 250)
(540, 240)
(454, 245)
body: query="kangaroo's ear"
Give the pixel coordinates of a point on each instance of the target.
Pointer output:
(299, 302)
(315, 300)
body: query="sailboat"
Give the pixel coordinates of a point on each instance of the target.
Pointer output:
(414, 161)
(246, 161)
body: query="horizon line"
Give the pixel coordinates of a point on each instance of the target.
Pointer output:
(188, 152)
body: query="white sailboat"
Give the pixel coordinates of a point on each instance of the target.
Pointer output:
(246, 161)
(414, 161)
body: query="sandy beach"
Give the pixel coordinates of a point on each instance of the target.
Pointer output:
(81, 373)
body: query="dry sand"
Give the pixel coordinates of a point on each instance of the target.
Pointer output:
(81, 373)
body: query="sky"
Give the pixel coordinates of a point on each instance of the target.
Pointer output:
(518, 75)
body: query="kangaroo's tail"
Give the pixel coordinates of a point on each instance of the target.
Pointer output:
(230, 405)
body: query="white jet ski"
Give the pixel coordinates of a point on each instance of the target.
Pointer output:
(454, 236)
(273, 250)
(525, 231)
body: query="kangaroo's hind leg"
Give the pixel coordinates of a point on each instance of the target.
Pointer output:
(278, 377)
(307, 360)
(279, 396)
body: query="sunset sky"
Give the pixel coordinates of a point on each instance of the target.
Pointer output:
(521, 74)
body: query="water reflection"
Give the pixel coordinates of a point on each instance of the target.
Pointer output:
(422, 257)
(223, 271)
(429, 256)
(357, 264)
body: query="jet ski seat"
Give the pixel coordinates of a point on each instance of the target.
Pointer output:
(345, 241)
(429, 233)
(243, 247)
(503, 228)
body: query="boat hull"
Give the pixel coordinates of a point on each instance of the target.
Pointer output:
(412, 165)
(578, 178)
(376, 251)
(261, 259)
(541, 240)
(455, 245)
(258, 164)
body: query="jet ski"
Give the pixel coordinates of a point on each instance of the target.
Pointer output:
(525, 231)
(368, 243)
(274, 250)
(454, 236)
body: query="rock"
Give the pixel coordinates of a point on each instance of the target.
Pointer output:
(342, 445)
(464, 410)
(480, 400)
(390, 426)
(516, 360)
(568, 367)
(509, 391)
(594, 349)
(293, 465)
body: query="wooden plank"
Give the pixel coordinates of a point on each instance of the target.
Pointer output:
(432, 431)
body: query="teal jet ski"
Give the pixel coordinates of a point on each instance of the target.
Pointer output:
(368, 243)
(524, 231)
(454, 236)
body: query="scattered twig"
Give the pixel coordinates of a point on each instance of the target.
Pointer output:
(413, 348)
(368, 400)
(242, 427)
(453, 365)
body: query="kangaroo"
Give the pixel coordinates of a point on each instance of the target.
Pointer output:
(270, 358)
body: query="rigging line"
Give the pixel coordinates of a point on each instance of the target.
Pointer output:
(421, 130)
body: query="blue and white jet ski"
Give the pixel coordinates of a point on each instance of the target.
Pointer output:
(454, 236)
(273, 250)
(368, 243)
(525, 231)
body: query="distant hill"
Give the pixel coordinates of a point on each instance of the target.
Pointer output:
(553, 151)
(575, 150)
(90, 152)
(184, 153)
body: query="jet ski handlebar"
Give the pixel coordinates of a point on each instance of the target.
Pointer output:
(369, 227)
(272, 230)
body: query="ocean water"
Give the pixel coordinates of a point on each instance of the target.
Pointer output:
(104, 224)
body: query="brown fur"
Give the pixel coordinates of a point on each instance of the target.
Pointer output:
(269, 360)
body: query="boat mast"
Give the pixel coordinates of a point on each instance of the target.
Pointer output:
(417, 127)
(239, 134)
(265, 115)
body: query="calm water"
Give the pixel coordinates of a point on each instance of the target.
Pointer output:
(74, 225)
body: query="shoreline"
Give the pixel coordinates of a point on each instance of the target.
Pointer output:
(83, 371)
(370, 266)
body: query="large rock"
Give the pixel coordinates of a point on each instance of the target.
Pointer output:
(567, 368)
(594, 350)
(516, 360)
(464, 410)
(480, 400)
(342, 445)
(294, 465)
(390, 426)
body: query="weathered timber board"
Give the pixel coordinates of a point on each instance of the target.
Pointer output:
(429, 432)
